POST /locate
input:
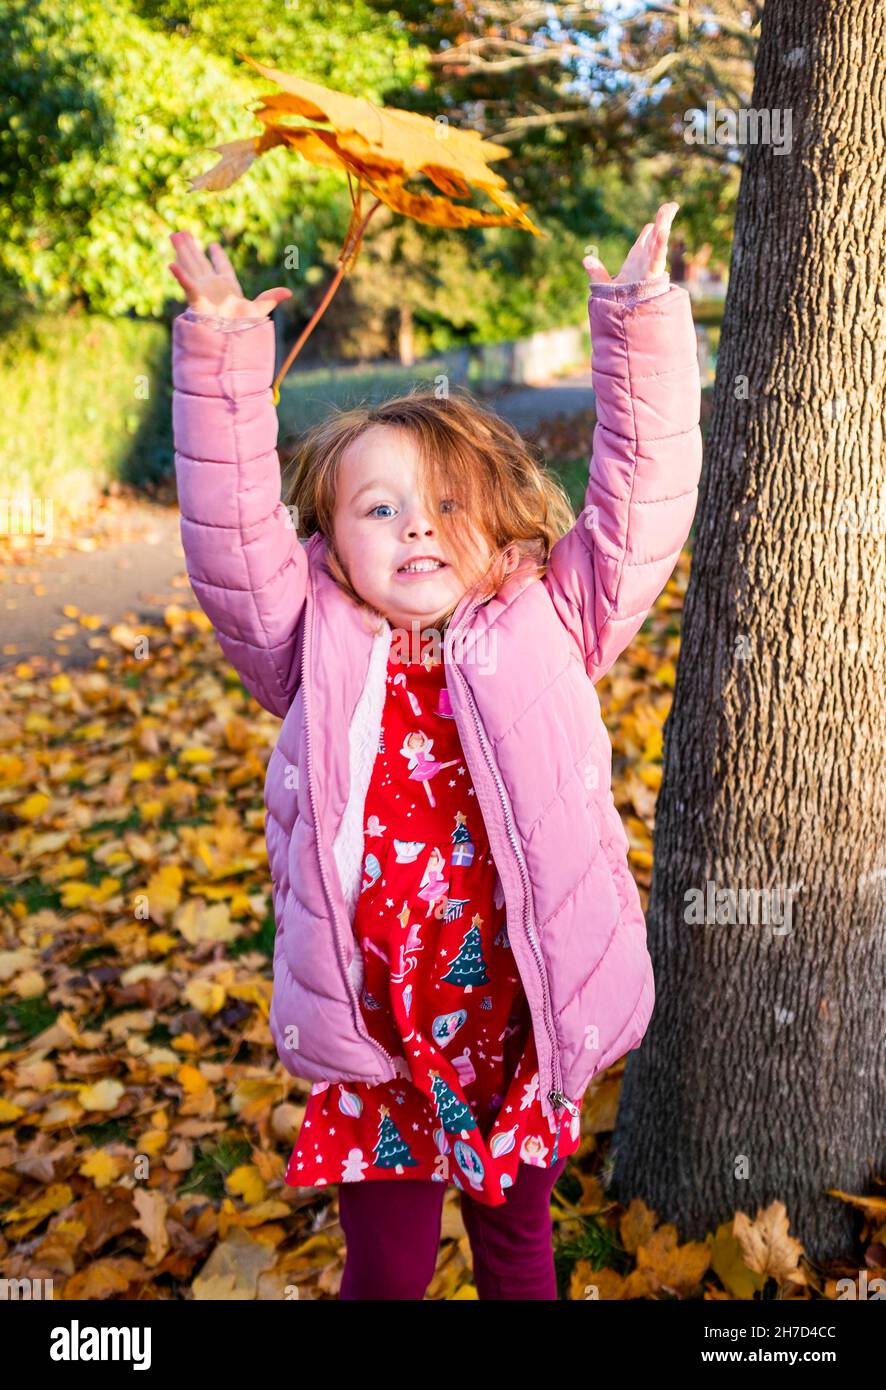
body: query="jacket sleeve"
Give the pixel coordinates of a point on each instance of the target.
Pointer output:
(242, 552)
(606, 572)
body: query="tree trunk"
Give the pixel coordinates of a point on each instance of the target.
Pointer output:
(763, 1074)
(405, 336)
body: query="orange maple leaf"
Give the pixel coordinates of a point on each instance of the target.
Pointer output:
(382, 147)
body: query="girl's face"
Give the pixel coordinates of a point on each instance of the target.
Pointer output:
(380, 524)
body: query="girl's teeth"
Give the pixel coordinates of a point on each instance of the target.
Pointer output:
(427, 566)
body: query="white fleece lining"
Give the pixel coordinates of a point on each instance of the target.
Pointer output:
(363, 735)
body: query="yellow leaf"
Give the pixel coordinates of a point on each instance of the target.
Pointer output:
(11, 769)
(104, 1095)
(151, 1207)
(196, 754)
(641, 858)
(729, 1266)
(379, 146)
(192, 1080)
(677, 1269)
(102, 1167)
(766, 1245)
(38, 724)
(32, 807)
(206, 996)
(164, 892)
(75, 893)
(24, 1218)
(103, 1278)
(246, 1182)
(30, 985)
(141, 771)
(197, 922)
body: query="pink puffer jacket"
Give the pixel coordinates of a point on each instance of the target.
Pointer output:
(521, 666)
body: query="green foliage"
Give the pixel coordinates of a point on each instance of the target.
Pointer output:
(110, 107)
(86, 399)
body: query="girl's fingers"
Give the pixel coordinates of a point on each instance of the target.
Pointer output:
(596, 269)
(190, 256)
(219, 257)
(185, 251)
(222, 264)
(273, 297)
(184, 280)
(658, 249)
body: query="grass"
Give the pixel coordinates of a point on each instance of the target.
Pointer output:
(86, 400)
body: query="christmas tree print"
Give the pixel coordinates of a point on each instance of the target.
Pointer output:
(391, 1149)
(462, 844)
(469, 967)
(455, 1116)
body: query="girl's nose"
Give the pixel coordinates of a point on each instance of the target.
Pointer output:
(419, 525)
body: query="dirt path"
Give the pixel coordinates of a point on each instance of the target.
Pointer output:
(144, 570)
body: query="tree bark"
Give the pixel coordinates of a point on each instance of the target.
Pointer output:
(763, 1074)
(405, 335)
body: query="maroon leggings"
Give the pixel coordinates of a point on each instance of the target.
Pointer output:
(392, 1235)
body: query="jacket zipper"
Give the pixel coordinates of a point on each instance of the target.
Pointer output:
(339, 940)
(555, 1095)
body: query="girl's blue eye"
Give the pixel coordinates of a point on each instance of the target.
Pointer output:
(448, 505)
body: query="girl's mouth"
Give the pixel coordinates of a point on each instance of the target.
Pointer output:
(425, 571)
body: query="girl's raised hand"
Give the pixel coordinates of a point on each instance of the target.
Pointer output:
(646, 257)
(212, 287)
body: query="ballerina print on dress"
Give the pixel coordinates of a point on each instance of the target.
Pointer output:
(422, 767)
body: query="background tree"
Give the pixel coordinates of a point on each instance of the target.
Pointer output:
(593, 85)
(763, 1073)
(109, 106)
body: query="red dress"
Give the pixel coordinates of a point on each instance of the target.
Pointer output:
(441, 991)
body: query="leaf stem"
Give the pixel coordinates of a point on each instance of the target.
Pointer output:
(346, 258)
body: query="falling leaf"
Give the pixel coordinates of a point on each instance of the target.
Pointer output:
(379, 146)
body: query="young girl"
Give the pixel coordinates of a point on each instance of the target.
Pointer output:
(460, 946)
